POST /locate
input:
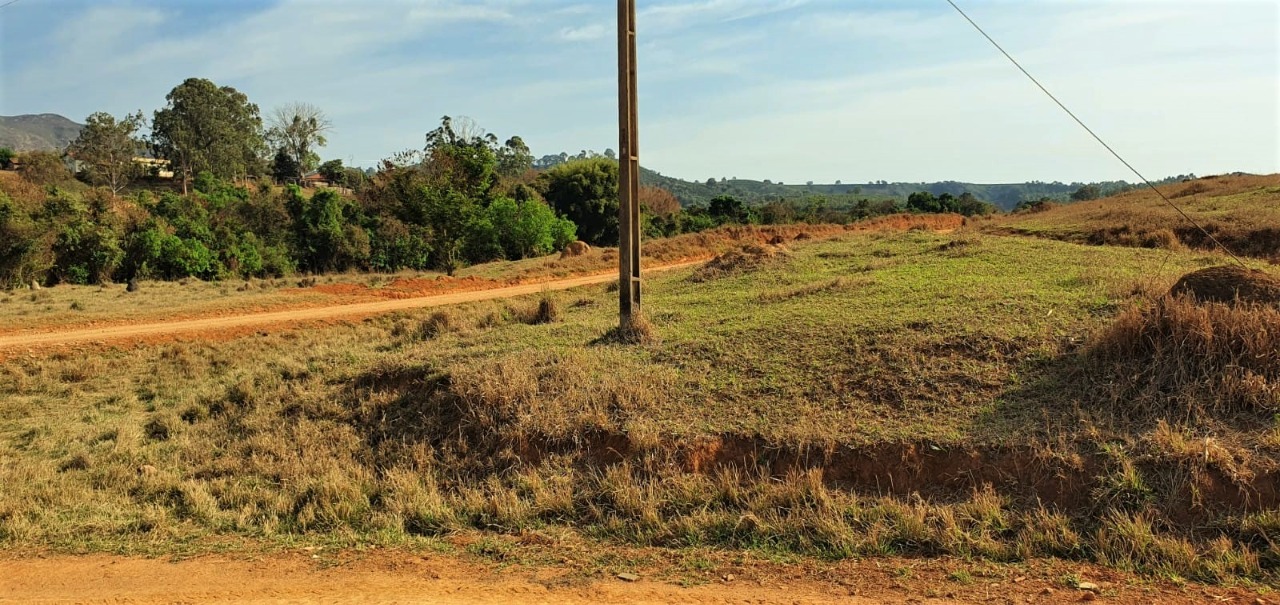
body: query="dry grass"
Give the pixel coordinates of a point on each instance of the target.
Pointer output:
(637, 330)
(739, 260)
(1198, 359)
(925, 411)
(1230, 284)
(1240, 211)
(545, 312)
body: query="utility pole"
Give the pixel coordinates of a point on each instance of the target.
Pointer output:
(628, 167)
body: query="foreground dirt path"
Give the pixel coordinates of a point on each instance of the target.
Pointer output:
(267, 320)
(397, 577)
(101, 579)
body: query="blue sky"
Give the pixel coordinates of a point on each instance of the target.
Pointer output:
(790, 90)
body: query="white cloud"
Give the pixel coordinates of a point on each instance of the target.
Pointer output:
(585, 33)
(670, 16)
(818, 90)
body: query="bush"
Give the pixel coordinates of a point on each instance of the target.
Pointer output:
(45, 169)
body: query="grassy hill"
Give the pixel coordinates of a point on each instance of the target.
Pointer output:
(1241, 211)
(42, 132)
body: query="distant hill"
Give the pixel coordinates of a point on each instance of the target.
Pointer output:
(1005, 196)
(42, 132)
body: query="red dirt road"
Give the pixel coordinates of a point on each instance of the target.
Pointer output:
(398, 577)
(276, 319)
(105, 579)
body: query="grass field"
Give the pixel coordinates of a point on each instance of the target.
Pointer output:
(71, 305)
(1243, 212)
(869, 393)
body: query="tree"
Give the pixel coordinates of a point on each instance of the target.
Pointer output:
(353, 178)
(284, 168)
(514, 158)
(586, 192)
(207, 127)
(25, 245)
(658, 201)
(334, 172)
(923, 201)
(297, 129)
(728, 209)
(1086, 193)
(106, 147)
(6, 157)
(451, 216)
(461, 154)
(528, 229)
(969, 205)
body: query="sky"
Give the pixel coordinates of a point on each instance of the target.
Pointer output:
(787, 90)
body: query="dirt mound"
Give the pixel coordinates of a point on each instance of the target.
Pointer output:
(577, 248)
(738, 260)
(1229, 284)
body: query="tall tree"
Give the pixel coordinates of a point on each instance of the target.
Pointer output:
(207, 127)
(462, 155)
(586, 192)
(297, 130)
(514, 158)
(106, 147)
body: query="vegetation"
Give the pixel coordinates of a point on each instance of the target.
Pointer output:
(106, 148)
(296, 130)
(462, 199)
(207, 128)
(904, 379)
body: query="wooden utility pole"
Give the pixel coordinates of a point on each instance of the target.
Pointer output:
(628, 167)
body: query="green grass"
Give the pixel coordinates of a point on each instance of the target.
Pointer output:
(413, 426)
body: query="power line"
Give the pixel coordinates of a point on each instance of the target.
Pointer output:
(9, 3)
(1094, 134)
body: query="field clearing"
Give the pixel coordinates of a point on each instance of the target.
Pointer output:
(1242, 211)
(72, 306)
(903, 393)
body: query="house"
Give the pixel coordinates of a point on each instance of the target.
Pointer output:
(154, 166)
(314, 179)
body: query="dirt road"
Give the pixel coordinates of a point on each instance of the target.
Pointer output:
(268, 320)
(105, 579)
(388, 576)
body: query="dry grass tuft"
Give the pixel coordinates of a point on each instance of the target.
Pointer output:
(545, 312)
(439, 323)
(739, 260)
(1200, 358)
(637, 331)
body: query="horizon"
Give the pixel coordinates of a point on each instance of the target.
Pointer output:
(763, 98)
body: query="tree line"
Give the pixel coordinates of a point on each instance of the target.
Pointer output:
(237, 212)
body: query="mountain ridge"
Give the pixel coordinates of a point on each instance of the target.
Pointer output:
(37, 132)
